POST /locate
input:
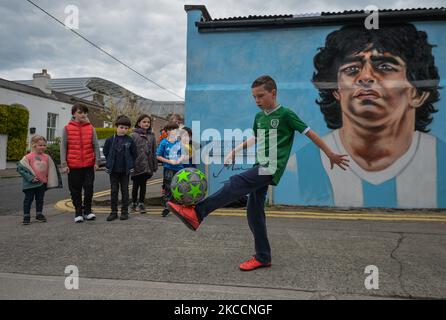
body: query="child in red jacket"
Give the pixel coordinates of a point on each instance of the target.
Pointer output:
(79, 155)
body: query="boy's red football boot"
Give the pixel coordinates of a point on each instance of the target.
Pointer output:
(253, 264)
(186, 214)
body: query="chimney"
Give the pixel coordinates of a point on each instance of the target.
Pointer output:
(42, 81)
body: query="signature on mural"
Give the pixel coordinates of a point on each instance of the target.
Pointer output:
(232, 167)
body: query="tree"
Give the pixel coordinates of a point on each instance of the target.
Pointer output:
(127, 106)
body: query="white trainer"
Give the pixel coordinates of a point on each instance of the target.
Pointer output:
(79, 219)
(91, 217)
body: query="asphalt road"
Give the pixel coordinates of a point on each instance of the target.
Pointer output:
(150, 257)
(12, 195)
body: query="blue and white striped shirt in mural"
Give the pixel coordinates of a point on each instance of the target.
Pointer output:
(416, 180)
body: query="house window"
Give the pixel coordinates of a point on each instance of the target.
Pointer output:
(51, 124)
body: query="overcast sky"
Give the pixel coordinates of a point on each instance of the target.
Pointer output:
(148, 35)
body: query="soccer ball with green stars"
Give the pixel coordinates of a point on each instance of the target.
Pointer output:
(189, 186)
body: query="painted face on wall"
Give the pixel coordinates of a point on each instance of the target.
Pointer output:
(374, 92)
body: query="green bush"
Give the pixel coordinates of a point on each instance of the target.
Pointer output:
(16, 148)
(104, 133)
(14, 123)
(4, 119)
(54, 150)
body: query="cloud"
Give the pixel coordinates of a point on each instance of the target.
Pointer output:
(148, 35)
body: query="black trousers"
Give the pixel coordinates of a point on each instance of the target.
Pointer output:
(251, 182)
(139, 183)
(78, 180)
(30, 195)
(117, 181)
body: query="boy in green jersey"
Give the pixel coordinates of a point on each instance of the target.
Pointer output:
(274, 129)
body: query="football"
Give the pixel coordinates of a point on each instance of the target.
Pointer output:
(189, 186)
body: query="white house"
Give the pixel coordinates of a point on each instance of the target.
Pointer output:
(101, 90)
(49, 111)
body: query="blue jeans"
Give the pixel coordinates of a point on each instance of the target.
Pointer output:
(30, 195)
(256, 185)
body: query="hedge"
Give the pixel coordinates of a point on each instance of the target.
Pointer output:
(4, 119)
(54, 150)
(104, 133)
(14, 123)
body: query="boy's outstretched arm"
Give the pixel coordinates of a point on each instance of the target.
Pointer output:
(229, 159)
(340, 160)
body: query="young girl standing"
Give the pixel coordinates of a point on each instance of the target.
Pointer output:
(39, 173)
(146, 163)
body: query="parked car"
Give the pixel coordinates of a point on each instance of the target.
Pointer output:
(101, 153)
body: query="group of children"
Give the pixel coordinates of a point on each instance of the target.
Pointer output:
(134, 156)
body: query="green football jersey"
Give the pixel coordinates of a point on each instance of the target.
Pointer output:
(275, 135)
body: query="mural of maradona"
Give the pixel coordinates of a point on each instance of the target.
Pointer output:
(377, 90)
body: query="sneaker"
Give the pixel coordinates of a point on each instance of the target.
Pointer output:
(112, 216)
(90, 217)
(165, 212)
(79, 219)
(124, 216)
(26, 220)
(253, 264)
(141, 208)
(186, 214)
(133, 206)
(40, 217)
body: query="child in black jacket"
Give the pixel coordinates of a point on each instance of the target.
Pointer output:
(120, 154)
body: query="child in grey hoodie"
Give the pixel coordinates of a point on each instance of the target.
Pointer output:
(146, 163)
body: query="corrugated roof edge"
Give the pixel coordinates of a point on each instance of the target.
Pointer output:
(325, 18)
(55, 95)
